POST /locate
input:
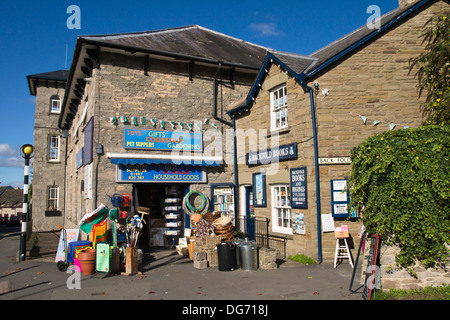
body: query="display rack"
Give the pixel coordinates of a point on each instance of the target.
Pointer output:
(223, 200)
(172, 213)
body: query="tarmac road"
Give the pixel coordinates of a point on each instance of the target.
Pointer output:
(168, 276)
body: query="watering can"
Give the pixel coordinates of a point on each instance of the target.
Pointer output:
(126, 199)
(116, 200)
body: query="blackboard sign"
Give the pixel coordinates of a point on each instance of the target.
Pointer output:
(371, 274)
(299, 190)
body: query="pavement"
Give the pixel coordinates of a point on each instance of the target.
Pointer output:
(165, 275)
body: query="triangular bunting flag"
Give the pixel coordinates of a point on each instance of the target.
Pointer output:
(172, 123)
(142, 120)
(190, 126)
(391, 126)
(206, 121)
(214, 125)
(364, 119)
(375, 122)
(153, 123)
(199, 128)
(181, 125)
(163, 124)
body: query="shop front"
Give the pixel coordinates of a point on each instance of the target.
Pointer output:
(159, 186)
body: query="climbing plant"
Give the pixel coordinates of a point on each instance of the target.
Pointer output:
(432, 69)
(402, 178)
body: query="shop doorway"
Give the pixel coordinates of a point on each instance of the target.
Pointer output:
(166, 222)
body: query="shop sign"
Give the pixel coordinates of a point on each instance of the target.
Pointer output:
(160, 173)
(299, 191)
(144, 139)
(281, 153)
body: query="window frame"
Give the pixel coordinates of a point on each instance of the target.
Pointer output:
(50, 148)
(276, 108)
(277, 206)
(55, 98)
(53, 200)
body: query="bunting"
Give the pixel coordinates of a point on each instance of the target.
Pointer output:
(391, 124)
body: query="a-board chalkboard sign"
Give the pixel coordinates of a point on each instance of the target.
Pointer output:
(371, 267)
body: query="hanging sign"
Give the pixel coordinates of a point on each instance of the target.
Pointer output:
(299, 190)
(160, 173)
(281, 153)
(144, 139)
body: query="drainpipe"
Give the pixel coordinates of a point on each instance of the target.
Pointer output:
(215, 98)
(236, 180)
(316, 164)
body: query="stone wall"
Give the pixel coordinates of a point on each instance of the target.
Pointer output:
(393, 277)
(46, 173)
(120, 88)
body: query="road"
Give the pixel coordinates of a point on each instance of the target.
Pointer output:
(168, 276)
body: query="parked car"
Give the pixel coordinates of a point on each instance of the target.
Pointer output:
(13, 222)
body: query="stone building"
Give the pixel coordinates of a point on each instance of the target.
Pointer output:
(129, 99)
(49, 150)
(314, 110)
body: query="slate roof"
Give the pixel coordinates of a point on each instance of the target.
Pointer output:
(11, 198)
(52, 76)
(193, 41)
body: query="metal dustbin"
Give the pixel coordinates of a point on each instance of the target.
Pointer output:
(226, 253)
(247, 255)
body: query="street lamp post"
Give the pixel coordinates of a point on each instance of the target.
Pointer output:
(27, 150)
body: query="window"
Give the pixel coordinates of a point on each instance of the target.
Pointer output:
(55, 104)
(53, 193)
(278, 107)
(53, 152)
(281, 210)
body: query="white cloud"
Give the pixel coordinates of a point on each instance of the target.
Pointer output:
(266, 29)
(10, 157)
(7, 150)
(16, 162)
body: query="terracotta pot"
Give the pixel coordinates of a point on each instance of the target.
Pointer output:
(87, 261)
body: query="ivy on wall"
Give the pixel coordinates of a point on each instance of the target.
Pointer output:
(402, 178)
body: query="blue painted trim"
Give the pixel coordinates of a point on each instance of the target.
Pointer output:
(361, 42)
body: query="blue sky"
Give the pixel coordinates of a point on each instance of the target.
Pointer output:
(34, 37)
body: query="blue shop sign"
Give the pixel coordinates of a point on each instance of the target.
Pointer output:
(160, 173)
(144, 139)
(285, 152)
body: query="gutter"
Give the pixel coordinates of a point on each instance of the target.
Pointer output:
(316, 165)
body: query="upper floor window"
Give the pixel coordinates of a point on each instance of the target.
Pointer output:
(55, 104)
(278, 108)
(53, 150)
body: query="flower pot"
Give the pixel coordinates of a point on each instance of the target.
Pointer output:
(87, 261)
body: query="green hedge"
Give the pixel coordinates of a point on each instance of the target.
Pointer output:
(402, 178)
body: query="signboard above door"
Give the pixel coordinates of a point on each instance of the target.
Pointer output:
(144, 139)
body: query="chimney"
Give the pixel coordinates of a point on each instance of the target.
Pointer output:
(406, 3)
